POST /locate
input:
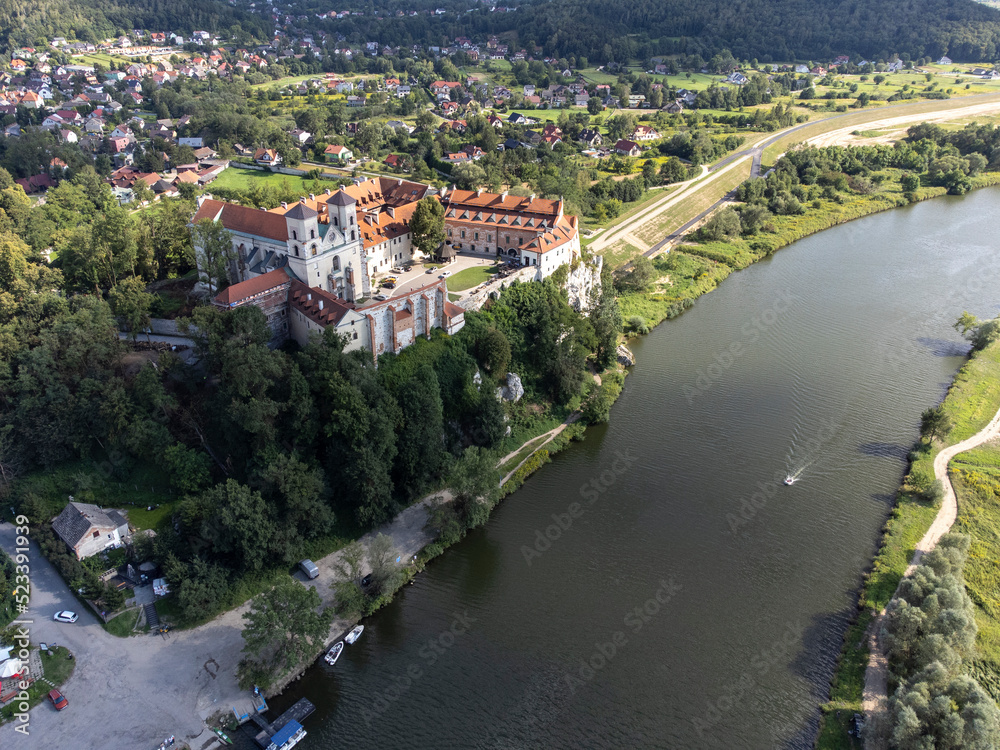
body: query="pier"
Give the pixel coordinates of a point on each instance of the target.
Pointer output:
(284, 729)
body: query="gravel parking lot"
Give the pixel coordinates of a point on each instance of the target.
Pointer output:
(134, 692)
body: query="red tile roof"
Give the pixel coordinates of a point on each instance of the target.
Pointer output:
(318, 305)
(251, 288)
(242, 219)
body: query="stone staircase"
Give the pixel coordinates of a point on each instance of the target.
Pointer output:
(152, 619)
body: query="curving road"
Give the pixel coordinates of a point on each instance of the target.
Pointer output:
(875, 700)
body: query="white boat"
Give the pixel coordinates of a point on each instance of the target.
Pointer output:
(790, 480)
(334, 653)
(354, 634)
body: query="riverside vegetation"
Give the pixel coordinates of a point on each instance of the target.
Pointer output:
(808, 190)
(949, 646)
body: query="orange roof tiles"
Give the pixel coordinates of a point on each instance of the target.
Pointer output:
(252, 287)
(242, 219)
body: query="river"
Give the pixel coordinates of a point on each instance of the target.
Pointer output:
(684, 598)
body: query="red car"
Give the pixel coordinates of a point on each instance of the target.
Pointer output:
(58, 700)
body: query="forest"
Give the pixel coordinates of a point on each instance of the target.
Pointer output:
(627, 30)
(36, 22)
(265, 451)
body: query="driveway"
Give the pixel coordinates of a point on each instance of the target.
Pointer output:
(132, 693)
(418, 276)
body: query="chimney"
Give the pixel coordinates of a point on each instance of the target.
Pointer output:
(321, 304)
(479, 192)
(312, 197)
(531, 197)
(503, 195)
(302, 199)
(284, 205)
(391, 211)
(399, 181)
(327, 192)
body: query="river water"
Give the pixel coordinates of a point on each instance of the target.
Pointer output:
(656, 586)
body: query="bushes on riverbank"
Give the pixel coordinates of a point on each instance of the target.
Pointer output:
(972, 400)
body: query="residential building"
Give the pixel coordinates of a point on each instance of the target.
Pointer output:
(88, 529)
(337, 153)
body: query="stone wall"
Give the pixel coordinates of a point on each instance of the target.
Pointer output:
(477, 299)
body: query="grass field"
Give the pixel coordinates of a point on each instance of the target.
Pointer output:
(972, 400)
(470, 277)
(58, 668)
(241, 179)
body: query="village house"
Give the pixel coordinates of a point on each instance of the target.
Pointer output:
(267, 157)
(644, 133)
(337, 153)
(88, 529)
(627, 148)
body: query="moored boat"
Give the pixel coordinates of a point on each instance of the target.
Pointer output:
(354, 634)
(334, 653)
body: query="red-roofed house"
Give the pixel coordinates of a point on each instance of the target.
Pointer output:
(627, 148)
(267, 157)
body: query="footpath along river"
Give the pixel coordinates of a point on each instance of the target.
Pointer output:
(656, 586)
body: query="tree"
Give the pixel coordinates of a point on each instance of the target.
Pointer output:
(282, 627)
(468, 175)
(722, 226)
(113, 598)
(608, 324)
(239, 523)
(979, 333)
(130, 302)
(909, 182)
(493, 352)
(637, 278)
(475, 483)
(214, 251)
(935, 423)
(427, 225)
(384, 561)
(594, 105)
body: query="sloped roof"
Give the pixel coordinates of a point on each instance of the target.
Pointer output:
(252, 287)
(318, 305)
(242, 219)
(77, 519)
(301, 211)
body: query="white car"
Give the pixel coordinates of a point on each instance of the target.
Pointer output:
(65, 616)
(444, 274)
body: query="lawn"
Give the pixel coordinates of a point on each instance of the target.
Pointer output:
(241, 179)
(470, 278)
(123, 625)
(972, 400)
(125, 486)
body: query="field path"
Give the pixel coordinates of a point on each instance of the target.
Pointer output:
(875, 700)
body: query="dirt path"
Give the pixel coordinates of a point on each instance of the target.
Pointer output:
(650, 212)
(842, 136)
(548, 439)
(875, 700)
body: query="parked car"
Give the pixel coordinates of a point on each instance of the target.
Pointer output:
(430, 270)
(58, 699)
(444, 274)
(381, 297)
(389, 284)
(309, 568)
(65, 616)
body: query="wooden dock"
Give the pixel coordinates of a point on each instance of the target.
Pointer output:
(302, 709)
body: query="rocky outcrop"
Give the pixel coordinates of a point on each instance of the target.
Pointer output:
(584, 284)
(625, 356)
(513, 390)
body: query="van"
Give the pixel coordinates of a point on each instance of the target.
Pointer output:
(309, 568)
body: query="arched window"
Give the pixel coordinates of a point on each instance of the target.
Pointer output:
(312, 234)
(313, 250)
(352, 234)
(335, 221)
(336, 263)
(295, 235)
(352, 220)
(296, 251)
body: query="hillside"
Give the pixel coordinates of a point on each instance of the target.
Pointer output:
(34, 22)
(763, 29)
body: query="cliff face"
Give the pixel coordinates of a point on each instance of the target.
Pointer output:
(584, 284)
